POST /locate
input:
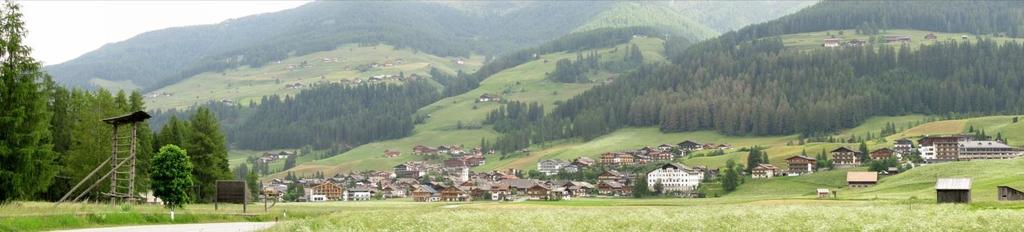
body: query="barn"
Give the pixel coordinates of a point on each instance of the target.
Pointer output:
(953, 190)
(1007, 193)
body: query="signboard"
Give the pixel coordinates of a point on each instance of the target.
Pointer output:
(232, 191)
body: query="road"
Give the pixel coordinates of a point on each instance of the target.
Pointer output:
(226, 227)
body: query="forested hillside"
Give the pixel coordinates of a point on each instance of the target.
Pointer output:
(159, 58)
(746, 82)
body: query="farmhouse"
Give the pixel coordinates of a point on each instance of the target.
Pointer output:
(690, 145)
(617, 158)
(845, 157)
(389, 153)
(538, 192)
(488, 98)
(861, 179)
(1007, 193)
(583, 162)
(881, 154)
(612, 188)
(394, 190)
(832, 42)
(764, 171)
(953, 190)
(675, 178)
(425, 193)
(801, 164)
(972, 150)
(453, 193)
(612, 175)
(897, 38)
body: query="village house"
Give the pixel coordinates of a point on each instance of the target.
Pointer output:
(550, 167)
(861, 179)
(454, 193)
(666, 147)
(903, 146)
(488, 98)
(856, 43)
(424, 150)
(538, 192)
(660, 155)
(832, 42)
(690, 146)
(425, 193)
(883, 153)
(897, 38)
(936, 149)
(974, 150)
(617, 158)
(613, 188)
(519, 186)
(583, 162)
(675, 178)
(325, 192)
(578, 188)
(799, 165)
(395, 191)
(845, 157)
(764, 171)
(612, 175)
(358, 194)
(392, 153)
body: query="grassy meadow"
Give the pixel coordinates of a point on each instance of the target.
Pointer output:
(247, 84)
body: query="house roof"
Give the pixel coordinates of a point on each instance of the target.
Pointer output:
(861, 177)
(823, 190)
(801, 157)
(953, 184)
(881, 150)
(425, 188)
(983, 144)
(843, 149)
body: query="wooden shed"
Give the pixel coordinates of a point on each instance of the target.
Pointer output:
(1007, 193)
(953, 190)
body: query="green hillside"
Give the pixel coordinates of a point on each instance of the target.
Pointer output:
(246, 84)
(630, 14)
(526, 83)
(813, 40)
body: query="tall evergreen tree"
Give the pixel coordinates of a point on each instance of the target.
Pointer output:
(27, 160)
(208, 153)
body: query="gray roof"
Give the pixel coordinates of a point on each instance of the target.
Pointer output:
(953, 184)
(983, 144)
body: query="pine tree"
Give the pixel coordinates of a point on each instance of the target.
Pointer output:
(208, 153)
(26, 147)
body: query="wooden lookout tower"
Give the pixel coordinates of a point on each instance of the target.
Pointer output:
(121, 164)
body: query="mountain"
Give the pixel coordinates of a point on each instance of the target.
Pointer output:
(155, 59)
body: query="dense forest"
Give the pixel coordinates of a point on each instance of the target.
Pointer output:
(743, 83)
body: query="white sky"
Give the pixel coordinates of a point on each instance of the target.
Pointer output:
(59, 31)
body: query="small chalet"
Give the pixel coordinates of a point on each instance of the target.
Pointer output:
(953, 190)
(358, 194)
(394, 191)
(425, 193)
(454, 193)
(931, 36)
(666, 147)
(903, 146)
(538, 192)
(613, 188)
(392, 153)
(583, 162)
(897, 38)
(832, 42)
(690, 145)
(882, 154)
(845, 157)
(488, 98)
(801, 164)
(423, 150)
(861, 179)
(611, 175)
(764, 171)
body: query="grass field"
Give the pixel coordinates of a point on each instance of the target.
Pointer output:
(592, 214)
(526, 83)
(814, 40)
(247, 84)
